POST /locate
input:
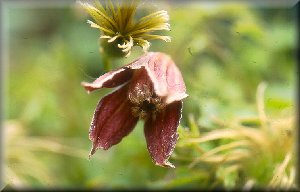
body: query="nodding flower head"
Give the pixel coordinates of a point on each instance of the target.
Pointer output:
(151, 89)
(120, 32)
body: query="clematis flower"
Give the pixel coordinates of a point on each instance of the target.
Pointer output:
(151, 89)
(120, 31)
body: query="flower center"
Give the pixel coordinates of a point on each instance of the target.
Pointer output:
(145, 103)
(147, 106)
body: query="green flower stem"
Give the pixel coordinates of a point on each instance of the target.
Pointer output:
(106, 63)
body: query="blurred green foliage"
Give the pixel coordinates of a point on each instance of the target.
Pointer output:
(224, 52)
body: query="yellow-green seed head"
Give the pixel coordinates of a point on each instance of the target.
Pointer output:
(120, 32)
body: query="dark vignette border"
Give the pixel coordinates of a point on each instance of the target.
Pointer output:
(295, 7)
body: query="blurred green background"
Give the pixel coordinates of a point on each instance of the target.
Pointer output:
(238, 128)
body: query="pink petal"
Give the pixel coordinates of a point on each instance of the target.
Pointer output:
(164, 74)
(161, 134)
(109, 79)
(166, 77)
(112, 120)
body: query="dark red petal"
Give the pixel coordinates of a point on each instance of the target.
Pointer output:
(109, 79)
(161, 134)
(116, 77)
(112, 120)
